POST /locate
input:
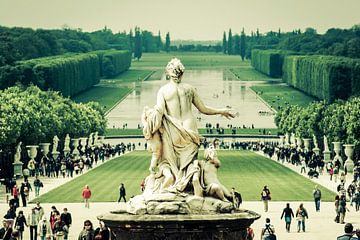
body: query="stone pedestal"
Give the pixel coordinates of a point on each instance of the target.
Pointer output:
(327, 156)
(307, 143)
(75, 143)
(226, 226)
(316, 150)
(17, 169)
(337, 148)
(349, 163)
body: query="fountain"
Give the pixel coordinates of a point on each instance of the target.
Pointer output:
(174, 205)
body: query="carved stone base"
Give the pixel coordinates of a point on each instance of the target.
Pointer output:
(225, 226)
(170, 203)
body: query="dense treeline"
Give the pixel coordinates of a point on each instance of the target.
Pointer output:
(33, 116)
(25, 43)
(337, 42)
(69, 74)
(269, 62)
(325, 77)
(338, 121)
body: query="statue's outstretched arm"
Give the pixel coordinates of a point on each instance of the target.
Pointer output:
(199, 104)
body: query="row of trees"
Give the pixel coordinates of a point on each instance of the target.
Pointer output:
(32, 116)
(235, 45)
(325, 77)
(69, 74)
(338, 121)
(25, 43)
(337, 42)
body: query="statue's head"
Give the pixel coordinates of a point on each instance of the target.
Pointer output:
(175, 69)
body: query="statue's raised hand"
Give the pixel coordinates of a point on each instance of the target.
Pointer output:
(226, 113)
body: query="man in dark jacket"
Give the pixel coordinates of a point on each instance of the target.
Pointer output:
(349, 233)
(66, 218)
(122, 192)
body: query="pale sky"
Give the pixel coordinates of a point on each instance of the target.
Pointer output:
(184, 19)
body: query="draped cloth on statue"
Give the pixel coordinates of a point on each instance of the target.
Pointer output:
(179, 146)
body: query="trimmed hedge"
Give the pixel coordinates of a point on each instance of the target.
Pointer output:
(69, 74)
(113, 62)
(269, 61)
(325, 77)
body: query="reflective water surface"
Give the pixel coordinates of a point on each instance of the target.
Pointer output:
(215, 87)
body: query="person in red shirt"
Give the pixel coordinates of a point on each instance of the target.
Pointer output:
(86, 194)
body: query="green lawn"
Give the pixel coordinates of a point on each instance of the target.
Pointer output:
(250, 74)
(280, 95)
(190, 60)
(244, 170)
(255, 131)
(106, 96)
(109, 91)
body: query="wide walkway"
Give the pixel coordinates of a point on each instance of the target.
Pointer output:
(319, 226)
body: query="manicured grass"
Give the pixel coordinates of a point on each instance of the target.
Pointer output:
(109, 91)
(244, 170)
(250, 74)
(190, 60)
(255, 131)
(105, 96)
(280, 95)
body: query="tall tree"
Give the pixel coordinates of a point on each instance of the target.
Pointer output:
(242, 44)
(167, 42)
(224, 44)
(237, 44)
(138, 44)
(131, 40)
(257, 34)
(159, 42)
(230, 43)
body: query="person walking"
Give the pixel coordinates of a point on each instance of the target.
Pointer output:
(20, 224)
(301, 214)
(44, 229)
(342, 209)
(66, 218)
(265, 197)
(39, 210)
(288, 214)
(122, 192)
(86, 194)
(87, 233)
(33, 221)
(6, 230)
(37, 185)
(317, 197)
(267, 231)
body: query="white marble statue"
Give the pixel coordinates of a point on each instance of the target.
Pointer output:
(171, 128)
(17, 155)
(67, 142)
(55, 143)
(209, 178)
(315, 142)
(326, 144)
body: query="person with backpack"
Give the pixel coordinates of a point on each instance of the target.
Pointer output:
(268, 231)
(301, 214)
(265, 197)
(317, 198)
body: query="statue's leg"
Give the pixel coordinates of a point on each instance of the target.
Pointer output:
(169, 178)
(198, 190)
(216, 191)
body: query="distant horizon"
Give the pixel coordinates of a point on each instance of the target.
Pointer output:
(190, 20)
